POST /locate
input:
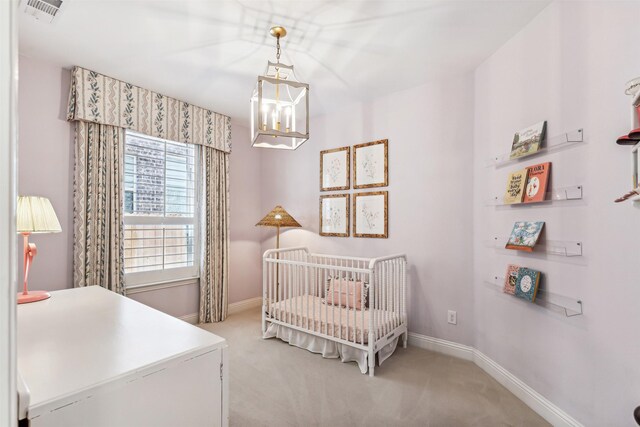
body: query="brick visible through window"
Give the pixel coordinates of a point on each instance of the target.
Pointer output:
(160, 201)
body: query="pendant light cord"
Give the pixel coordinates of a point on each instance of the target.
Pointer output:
(278, 49)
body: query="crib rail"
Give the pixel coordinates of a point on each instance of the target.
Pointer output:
(389, 293)
(353, 300)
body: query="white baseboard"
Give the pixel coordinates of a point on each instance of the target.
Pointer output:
(236, 307)
(438, 345)
(190, 318)
(541, 405)
(243, 305)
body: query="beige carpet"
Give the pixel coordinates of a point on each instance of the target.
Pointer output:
(275, 384)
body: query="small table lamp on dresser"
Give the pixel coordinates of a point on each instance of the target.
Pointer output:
(35, 215)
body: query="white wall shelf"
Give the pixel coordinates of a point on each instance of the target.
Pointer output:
(569, 306)
(552, 144)
(573, 192)
(553, 247)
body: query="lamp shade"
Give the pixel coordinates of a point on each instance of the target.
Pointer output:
(279, 217)
(36, 215)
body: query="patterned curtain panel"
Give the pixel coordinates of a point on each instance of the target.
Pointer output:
(214, 268)
(100, 99)
(98, 237)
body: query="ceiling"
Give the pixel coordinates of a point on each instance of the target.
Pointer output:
(209, 53)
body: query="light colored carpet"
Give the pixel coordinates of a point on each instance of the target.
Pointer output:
(275, 384)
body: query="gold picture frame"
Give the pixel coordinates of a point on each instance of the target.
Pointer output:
(335, 215)
(368, 165)
(374, 217)
(335, 169)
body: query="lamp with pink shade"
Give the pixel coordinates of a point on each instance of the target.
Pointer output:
(35, 215)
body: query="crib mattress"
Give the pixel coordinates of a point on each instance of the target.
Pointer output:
(331, 319)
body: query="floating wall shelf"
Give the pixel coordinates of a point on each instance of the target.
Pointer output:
(553, 247)
(554, 195)
(569, 306)
(552, 144)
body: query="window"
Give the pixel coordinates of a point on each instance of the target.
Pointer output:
(160, 210)
(129, 182)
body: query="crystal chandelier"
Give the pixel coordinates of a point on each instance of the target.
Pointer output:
(279, 105)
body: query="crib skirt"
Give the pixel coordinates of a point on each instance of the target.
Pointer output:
(329, 349)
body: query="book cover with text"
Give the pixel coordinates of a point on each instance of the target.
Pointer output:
(528, 140)
(537, 181)
(510, 279)
(515, 187)
(527, 284)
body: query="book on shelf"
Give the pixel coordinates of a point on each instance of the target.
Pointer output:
(525, 235)
(537, 180)
(515, 187)
(510, 279)
(528, 140)
(527, 284)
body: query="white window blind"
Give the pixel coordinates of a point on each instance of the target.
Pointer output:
(160, 210)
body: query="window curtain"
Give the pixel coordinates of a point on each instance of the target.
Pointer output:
(214, 231)
(103, 107)
(98, 228)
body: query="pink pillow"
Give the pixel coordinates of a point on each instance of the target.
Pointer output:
(341, 292)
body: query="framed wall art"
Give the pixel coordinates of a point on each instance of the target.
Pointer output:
(370, 214)
(334, 169)
(334, 215)
(370, 164)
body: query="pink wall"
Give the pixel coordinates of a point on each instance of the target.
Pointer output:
(568, 66)
(177, 301)
(45, 163)
(430, 185)
(45, 166)
(245, 275)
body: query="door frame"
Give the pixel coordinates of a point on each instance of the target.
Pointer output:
(8, 197)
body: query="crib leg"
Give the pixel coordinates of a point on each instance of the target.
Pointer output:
(372, 355)
(264, 319)
(405, 338)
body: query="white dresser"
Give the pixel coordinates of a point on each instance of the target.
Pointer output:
(90, 357)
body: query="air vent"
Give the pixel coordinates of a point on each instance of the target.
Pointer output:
(45, 10)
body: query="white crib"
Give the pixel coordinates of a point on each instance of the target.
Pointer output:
(295, 290)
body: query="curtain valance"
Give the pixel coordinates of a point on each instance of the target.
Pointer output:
(100, 99)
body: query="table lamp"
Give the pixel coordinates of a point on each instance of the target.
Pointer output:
(278, 217)
(35, 215)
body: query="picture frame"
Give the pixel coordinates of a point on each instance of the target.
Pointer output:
(335, 167)
(371, 214)
(334, 215)
(371, 164)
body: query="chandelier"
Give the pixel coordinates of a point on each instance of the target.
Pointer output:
(279, 105)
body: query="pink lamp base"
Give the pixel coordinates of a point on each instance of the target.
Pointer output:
(32, 296)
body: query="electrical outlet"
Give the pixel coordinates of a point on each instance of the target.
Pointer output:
(452, 317)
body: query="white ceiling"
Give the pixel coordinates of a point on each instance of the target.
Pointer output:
(209, 53)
